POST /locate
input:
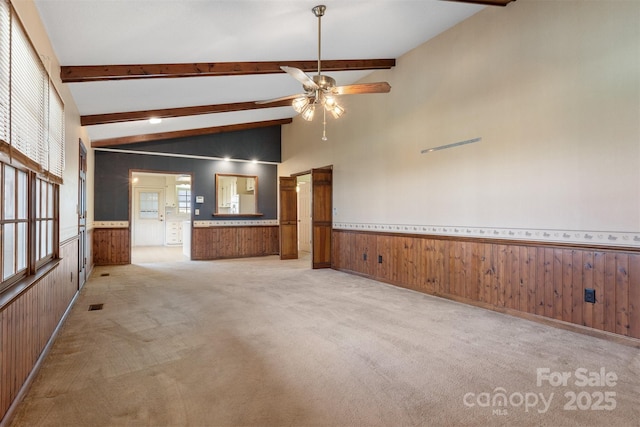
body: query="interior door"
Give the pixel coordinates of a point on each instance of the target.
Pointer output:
(148, 217)
(321, 208)
(82, 216)
(288, 218)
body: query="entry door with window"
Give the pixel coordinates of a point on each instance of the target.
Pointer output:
(148, 217)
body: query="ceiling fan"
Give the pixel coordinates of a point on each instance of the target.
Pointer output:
(321, 90)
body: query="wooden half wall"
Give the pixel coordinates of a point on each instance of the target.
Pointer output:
(29, 320)
(111, 246)
(233, 242)
(527, 278)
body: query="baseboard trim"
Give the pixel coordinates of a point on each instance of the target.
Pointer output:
(8, 416)
(560, 324)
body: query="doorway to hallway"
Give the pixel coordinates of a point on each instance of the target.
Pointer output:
(303, 189)
(321, 211)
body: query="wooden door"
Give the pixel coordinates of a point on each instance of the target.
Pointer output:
(321, 205)
(82, 216)
(288, 218)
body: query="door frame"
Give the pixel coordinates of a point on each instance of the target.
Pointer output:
(321, 218)
(304, 213)
(131, 195)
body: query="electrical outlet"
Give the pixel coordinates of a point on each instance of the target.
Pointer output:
(197, 212)
(364, 256)
(590, 295)
(379, 259)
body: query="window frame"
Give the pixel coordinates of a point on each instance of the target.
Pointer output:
(183, 200)
(32, 216)
(18, 272)
(45, 217)
(32, 143)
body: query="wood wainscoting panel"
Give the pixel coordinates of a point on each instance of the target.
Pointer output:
(234, 242)
(205, 243)
(366, 255)
(541, 279)
(28, 322)
(111, 246)
(406, 259)
(634, 296)
(345, 253)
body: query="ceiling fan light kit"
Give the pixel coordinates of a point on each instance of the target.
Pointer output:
(321, 90)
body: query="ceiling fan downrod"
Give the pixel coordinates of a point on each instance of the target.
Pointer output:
(318, 11)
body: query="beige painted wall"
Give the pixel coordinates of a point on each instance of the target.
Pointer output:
(553, 90)
(30, 18)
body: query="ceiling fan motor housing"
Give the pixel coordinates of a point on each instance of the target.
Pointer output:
(324, 82)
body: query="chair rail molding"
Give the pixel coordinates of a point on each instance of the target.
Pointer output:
(235, 223)
(579, 237)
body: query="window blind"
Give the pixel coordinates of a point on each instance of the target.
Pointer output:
(56, 133)
(5, 23)
(31, 110)
(28, 86)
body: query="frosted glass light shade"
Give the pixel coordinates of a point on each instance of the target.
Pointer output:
(336, 111)
(298, 104)
(308, 112)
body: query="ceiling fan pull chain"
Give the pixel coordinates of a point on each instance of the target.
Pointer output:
(324, 124)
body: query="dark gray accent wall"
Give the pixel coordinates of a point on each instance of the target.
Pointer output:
(261, 144)
(111, 184)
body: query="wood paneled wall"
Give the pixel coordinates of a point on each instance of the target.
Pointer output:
(534, 278)
(111, 246)
(233, 242)
(28, 322)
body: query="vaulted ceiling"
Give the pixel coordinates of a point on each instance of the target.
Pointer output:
(201, 65)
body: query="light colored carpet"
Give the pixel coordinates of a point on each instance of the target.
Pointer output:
(263, 342)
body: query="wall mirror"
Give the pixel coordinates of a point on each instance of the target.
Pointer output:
(236, 195)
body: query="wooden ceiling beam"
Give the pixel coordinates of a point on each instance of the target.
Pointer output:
(485, 2)
(107, 118)
(125, 140)
(94, 73)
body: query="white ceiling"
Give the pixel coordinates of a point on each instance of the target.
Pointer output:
(108, 32)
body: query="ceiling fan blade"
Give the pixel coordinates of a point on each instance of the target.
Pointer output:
(378, 87)
(282, 98)
(301, 76)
